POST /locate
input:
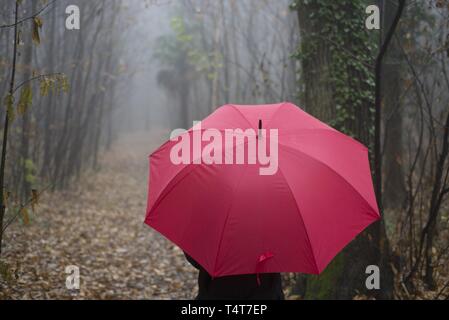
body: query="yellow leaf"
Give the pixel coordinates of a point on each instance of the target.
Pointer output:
(34, 199)
(64, 84)
(45, 86)
(37, 25)
(38, 21)
(25, 100)
(25, 216)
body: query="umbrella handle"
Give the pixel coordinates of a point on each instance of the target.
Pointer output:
(262, 258)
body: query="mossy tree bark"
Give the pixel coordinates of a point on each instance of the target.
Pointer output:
(336, 54)
(394, 185)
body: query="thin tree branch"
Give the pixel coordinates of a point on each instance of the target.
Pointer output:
(16, 215)
(35, 78)
(29, 17)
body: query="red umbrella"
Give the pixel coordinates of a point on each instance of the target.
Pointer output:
(261, 189)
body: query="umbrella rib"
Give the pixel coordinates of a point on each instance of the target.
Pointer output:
(324, 131)
(190, 131)
(294, 151)
(301, 219)
(270, 120)
(242, 115)
(275, 114)
(156, 201)
(168, 188)
(227, 217)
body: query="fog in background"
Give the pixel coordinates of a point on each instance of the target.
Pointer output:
(133, 66)
(82, 109)
(232, 52)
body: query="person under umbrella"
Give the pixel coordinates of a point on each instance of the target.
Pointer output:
(267, 286)
(243, 223)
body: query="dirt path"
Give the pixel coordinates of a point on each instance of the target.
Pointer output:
(97, 226)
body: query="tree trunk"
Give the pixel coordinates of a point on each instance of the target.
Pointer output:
(25, 143)
(6, 127)
(345, 277)
(394, 186)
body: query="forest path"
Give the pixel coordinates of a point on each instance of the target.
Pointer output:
(97, 225)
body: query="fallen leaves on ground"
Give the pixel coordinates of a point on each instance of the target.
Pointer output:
(97, 225)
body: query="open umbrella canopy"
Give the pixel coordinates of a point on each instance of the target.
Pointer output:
(261, 189)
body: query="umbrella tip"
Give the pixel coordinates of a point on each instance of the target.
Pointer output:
(259, 135)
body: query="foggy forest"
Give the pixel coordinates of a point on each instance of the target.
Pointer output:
(84, 103)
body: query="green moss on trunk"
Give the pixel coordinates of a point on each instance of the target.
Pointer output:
(325, 285)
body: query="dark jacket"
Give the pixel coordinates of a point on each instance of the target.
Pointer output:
(241, 287)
